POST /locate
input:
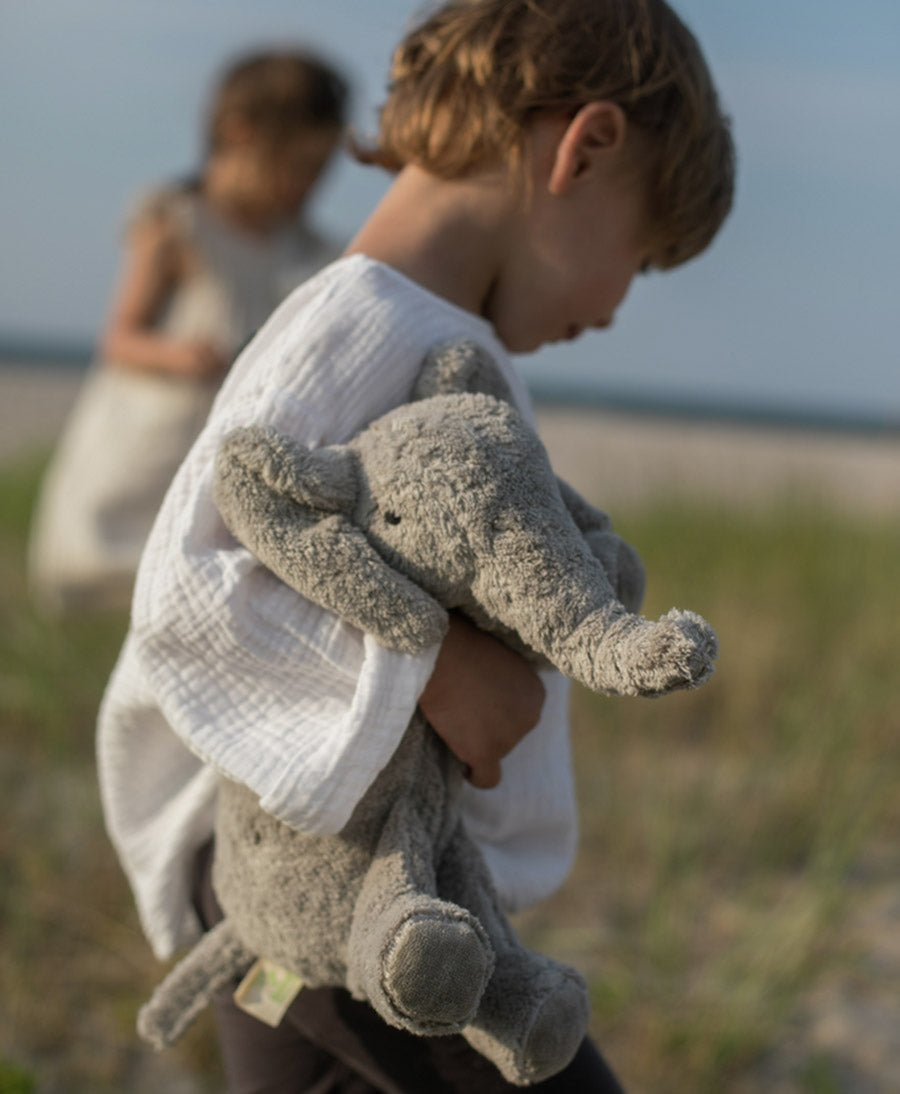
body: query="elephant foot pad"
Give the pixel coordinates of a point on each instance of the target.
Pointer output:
(435, 972)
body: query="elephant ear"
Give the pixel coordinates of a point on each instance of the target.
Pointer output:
(291, 507)
(454, 368)
(586, 516)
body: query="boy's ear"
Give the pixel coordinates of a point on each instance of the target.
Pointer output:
(595, 133)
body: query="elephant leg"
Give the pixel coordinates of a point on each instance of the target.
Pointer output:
(534, 1012)
(421, 962)
(215, 961)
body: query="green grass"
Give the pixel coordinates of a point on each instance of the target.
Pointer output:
(720, 827)
(73, 963)
(721, 830)
(14, 1080)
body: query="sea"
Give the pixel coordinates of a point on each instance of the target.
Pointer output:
(563, 391)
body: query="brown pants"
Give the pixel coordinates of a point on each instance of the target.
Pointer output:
(330, 1043)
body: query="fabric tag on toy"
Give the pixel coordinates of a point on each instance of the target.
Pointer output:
(267, 991)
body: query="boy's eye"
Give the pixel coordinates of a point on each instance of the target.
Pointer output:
(391, 518)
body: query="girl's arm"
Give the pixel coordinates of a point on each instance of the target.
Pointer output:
(154, 267)
(481, 699)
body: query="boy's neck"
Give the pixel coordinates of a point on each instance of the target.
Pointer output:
(450, 236)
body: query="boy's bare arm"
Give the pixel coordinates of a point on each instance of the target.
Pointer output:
(482, 699)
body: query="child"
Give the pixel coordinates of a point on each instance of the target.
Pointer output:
(546, 151)
(207, 262)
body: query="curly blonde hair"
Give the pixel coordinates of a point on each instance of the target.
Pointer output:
(467, 80)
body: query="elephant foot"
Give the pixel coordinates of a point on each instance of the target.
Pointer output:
(430, 971)
(531, 1024)
(557, 1030)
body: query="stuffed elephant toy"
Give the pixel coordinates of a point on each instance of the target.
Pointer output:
(447, 503)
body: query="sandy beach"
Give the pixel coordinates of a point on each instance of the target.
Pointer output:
(34, 402)
(622, 459)
(616, 458)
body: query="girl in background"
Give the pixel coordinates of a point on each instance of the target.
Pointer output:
(207, 261)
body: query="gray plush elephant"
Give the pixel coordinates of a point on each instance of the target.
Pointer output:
(447, 503)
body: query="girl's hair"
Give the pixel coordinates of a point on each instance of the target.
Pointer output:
(466, 81)
(276, 94)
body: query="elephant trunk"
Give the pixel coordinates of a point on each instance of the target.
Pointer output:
(616, 653)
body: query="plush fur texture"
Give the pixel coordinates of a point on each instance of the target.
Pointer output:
(447, 503)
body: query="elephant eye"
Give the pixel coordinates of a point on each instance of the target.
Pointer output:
(391, 518)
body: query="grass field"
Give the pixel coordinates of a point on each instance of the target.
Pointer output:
(730, 836)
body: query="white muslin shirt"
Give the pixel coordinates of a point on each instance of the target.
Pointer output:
(226, 670)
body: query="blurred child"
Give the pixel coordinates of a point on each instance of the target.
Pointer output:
(207, 261)
(545, 152)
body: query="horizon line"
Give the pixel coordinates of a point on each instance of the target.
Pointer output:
(563, 393)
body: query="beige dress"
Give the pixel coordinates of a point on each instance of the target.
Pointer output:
(130, 430)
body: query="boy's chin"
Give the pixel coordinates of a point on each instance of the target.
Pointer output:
(522, 345)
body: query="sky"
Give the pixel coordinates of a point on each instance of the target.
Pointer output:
(790, 307)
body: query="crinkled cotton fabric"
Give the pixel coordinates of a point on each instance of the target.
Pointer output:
(228, 671)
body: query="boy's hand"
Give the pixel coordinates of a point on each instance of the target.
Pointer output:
(482, 699)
